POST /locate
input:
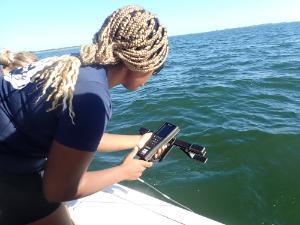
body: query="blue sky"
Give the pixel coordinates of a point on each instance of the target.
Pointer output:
(38, 25)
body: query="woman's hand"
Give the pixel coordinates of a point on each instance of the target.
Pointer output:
(133, 168)
(144, 138)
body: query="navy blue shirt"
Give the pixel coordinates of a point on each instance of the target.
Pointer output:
(27, 129)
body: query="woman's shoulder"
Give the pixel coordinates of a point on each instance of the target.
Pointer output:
(92, 83)
(92, 74)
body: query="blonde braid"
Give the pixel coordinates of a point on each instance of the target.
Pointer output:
(60, 77)
(133, 36)
(88, 54)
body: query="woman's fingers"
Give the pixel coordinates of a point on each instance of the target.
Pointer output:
(160, 151)
(146, 164)
(144, 139)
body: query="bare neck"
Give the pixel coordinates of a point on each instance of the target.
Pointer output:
(116, 74)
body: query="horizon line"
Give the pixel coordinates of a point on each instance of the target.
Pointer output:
(176, 35)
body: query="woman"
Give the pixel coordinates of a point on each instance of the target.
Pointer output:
(58, 108)
(10, 61)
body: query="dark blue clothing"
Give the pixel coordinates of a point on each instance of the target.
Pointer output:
(27, 129)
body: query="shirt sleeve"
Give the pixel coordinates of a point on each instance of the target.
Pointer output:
(89, 123)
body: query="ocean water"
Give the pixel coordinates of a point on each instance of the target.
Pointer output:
(236, 92)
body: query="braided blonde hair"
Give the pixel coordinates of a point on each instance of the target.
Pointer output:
(130, 35)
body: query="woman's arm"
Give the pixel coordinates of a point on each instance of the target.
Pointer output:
(117, 142)
(66, 176)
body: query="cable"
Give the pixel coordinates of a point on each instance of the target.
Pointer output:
(164, 195)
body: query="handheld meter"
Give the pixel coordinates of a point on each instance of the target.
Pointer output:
(159, 138)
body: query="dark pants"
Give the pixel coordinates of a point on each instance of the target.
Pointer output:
(22, 200)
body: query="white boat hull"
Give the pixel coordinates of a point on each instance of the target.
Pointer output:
(121, 205)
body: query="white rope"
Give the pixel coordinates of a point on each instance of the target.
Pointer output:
(164, 195)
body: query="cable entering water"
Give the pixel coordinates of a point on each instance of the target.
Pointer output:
(164, 195)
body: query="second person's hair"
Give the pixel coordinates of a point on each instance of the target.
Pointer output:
(14, 60)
